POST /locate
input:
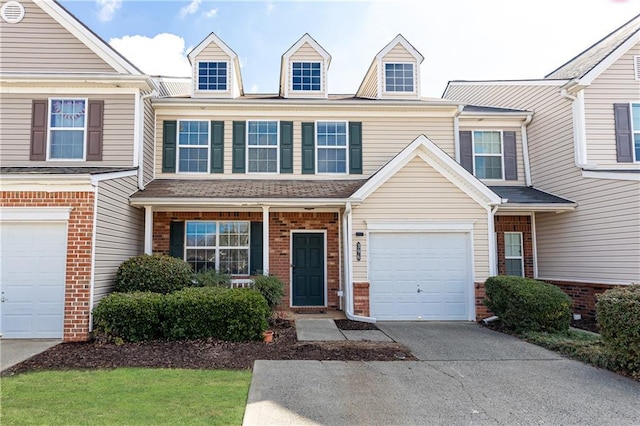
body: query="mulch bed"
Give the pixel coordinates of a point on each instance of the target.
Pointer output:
(207, 354)
(345, 324)
(586, 323)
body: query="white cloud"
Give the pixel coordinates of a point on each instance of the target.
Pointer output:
(107, 9)
(243, 61)
(255, 88)
(164, 54)
(190, 9)
(270, 7)
(211, 14)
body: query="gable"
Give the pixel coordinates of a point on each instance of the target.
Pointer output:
(212, 52)
(213, 49)
(398, 54)
(305, 50)
(306, 53)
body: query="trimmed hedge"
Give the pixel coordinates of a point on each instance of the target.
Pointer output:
(618, 314)
(133, 317)
(211, 278)
(157, 274)
(525, 304)
(271, 288)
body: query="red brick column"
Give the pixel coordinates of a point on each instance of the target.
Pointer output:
(361, 302)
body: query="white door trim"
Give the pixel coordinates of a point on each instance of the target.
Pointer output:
(305, 231)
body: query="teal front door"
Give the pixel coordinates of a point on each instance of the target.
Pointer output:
(308, 269)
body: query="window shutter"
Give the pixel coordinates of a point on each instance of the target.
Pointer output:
(238, 146)
(217, 147)
(176, 239)
(94, 130)
(466, 151)
(355, 148)
(255, 249)
(39, 120)
(286, 147)
(510, 156)
(624, 142)
(308, 148)
(169, 130)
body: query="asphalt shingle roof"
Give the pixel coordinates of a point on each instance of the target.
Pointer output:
(527, 195)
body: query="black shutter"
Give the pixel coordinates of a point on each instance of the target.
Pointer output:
(217, 147)
(466, 151)
(176, 239)
(239, 149)
(255, 249)
(286, 147)
(510, 156)
(308, 148)
(169, 130)
(355, 148)
(39, 119)
(95, 115)
(624, 140)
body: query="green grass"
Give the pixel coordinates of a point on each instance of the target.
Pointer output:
(125, 397)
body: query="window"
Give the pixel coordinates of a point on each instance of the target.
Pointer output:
(635, 124)
(212, 76)
(398, 77)
(262, 146)
(306, 76)
(514, 261)
(487, 154)
(223, 246)
(331, 142)
(67, 124)
(193, 146)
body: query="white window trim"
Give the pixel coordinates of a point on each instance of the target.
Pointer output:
(346, 147)
(384, 78)
(306, 62)
(217, 247)
(521, 257)
(473, 151)
(634, 131)
(84, 135)
(208, 146)
(277, 147)
(197, 82)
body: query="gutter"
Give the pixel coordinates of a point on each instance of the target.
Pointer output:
(242, 202)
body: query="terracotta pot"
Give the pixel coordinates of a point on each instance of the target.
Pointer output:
(267, 336)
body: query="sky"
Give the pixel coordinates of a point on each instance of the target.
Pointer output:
(459, 39)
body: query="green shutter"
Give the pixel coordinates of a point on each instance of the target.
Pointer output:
(176, 239)
(355, 148)
(308, 148)
(255, 249)
(217, 147)
(238, 146)
(286, 147)
(169, 134)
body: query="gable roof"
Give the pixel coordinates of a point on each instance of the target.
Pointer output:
(211, 38)
(284, 62)
(399, 39)
(601, 54)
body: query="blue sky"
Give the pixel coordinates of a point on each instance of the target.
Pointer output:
(460, 39)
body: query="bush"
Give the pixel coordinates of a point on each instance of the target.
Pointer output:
(227, 314)
(132, 317)
(618, 314)
(211, 278)
(271, 288)
(157, 274)
(524, 304)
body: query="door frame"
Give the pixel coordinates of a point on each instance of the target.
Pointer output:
(324, 284)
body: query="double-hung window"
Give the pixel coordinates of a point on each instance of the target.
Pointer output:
(514, 260)
(306, 76)
(635, 120)
(67, 129)
(262, 146)
(212, 76)
(331, 145)
(223, 246)
(487, 155)
(398, 77)
(193, 146)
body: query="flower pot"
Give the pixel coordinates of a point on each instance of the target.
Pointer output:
(267, 336)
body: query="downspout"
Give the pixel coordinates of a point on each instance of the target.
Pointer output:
(525, 150)
(141, 138)
(493, 249)
(456, 132)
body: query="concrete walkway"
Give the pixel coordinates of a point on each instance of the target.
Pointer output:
(14, 351)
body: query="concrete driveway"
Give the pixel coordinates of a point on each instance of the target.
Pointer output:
(14, 351)
(466, 374)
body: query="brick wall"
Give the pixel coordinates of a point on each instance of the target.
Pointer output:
(361, 304)
(79, 244)
(583, 295)
(515, 224)
(481, 310)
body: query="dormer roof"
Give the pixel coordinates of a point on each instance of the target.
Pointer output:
(305, 50)
(213, 49)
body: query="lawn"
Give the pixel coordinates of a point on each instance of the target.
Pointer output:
(130, 396)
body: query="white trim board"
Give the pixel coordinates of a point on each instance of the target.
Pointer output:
(35, 214)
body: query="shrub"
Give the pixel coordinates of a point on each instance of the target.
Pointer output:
(524, 304)
(157, 274)
(271, 288)
(130, 316)
(211, 278)
(227, 314)
(618, 314)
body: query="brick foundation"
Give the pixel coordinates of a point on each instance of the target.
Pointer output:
(361, 299)
(583, 295)
(515, 224)
(481, 310)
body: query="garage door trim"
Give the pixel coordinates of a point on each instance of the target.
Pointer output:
(35, 214)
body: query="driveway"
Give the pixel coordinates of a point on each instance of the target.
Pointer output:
(466, 374)
(14, 351)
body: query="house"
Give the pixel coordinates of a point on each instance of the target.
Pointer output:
(584, 145)
(383, 204)
(71, 152)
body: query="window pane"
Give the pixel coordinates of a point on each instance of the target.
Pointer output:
(636, 143)
(234, 261)
(512, 244)
(487, 143)
(68, 113)
(201, 259)
(306, 76)
(635, 114)
(193, 160)
(201, 234)
(212, 76)
(67, 144)
(514, 267)
(399, 77)
(488, 167)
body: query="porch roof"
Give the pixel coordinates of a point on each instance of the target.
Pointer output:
(529, 198)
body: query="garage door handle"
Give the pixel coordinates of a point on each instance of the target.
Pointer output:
(2, 299)
(419, 291)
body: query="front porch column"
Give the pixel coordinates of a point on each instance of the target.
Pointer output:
(265, 240)
(148, 229)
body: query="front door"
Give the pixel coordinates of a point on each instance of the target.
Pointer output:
(308, 269)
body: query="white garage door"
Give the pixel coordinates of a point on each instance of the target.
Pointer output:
(33, 276)
(420, 276)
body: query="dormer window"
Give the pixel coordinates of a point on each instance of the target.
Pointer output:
(399, 77)
(212, 76)
(306, 76)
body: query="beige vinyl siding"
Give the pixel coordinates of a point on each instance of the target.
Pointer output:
(212, 53)
(306, 53)
(148, 135)
(118, 130)
(439, 201)
(399, 55)
(119, 232)
(370, 88)
(38, 43)
(617, 84)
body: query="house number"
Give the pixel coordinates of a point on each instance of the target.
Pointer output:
(358, 251)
